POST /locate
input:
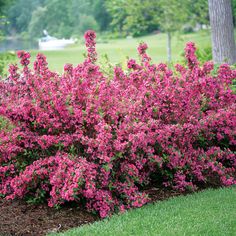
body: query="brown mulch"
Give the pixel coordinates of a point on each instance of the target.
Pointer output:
(17, 218)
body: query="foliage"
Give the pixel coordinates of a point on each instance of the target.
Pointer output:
(97, 140)
(198, 12)
(118, 12)
(19, 14)
(37, 25)
(204, 54)
(4, 4)
(234, 10)
(100, 14)
(58, 18)
(5, 59)
(130, 17)
(87, 22)
(171, 20)
(133, 16)
(141, 17)
(136, 17)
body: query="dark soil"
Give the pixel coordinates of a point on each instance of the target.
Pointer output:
(17, 218)
(21, 219)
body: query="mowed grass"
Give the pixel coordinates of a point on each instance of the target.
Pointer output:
(211, 212)
(118, 50)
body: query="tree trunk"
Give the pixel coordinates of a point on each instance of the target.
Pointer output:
(169, 47)
(222, 31)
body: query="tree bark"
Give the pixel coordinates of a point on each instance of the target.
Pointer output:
(222, 31)
(169, 47)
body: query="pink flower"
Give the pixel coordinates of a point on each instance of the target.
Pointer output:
(100, 138)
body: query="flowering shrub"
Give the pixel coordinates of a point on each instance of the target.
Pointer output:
(84, 137)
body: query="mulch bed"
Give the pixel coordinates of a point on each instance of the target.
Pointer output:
(17, 218)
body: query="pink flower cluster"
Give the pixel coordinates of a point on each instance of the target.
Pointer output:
(85, 137)
(90, 43)
(24, 57)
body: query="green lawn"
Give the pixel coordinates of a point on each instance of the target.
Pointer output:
(211, 212)
(118, 50)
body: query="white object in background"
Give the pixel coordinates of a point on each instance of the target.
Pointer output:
(52, 43)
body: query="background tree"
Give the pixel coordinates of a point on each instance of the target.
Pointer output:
(127, 17)
(37, 24)
(171, 19)
(60, 19)
(221, 20)
(138, 17)
(198, 12)
(101, 15)
(118, 10)
(141, 17)
(133, 17)
(19, 14)
(4, 4)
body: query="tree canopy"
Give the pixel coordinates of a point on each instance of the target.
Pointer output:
(60, 19)
(126, 17)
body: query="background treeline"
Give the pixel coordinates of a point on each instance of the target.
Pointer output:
(121, 17)
(60, 18)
